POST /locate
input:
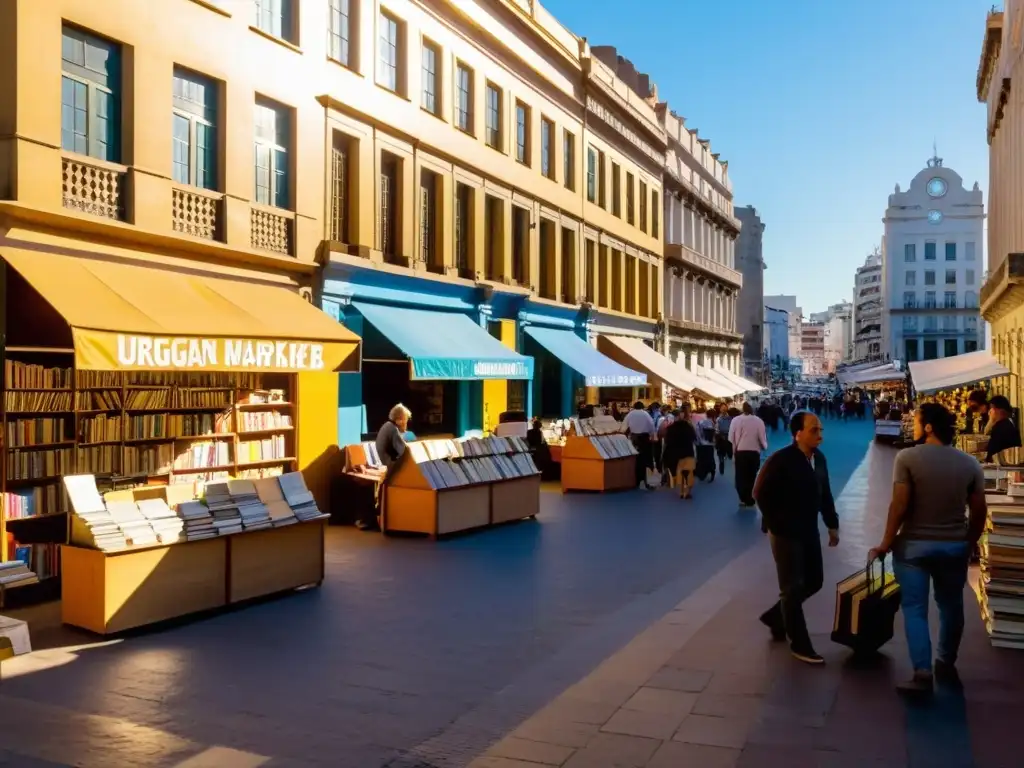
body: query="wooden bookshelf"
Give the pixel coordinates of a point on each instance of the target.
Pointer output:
(585, 467)
(415, 502)
(130, 428)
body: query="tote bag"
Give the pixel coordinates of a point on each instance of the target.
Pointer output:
(866, 607)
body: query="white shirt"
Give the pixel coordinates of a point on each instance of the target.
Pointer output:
(746, 433)
(638, 422)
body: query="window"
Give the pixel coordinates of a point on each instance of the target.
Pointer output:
(949, 347)
(431, 60)
(971, 300)
(969, 251)
(387, 216)
(387, 52)
(493, 126)
(949, 323)
(463, 98)
(590, 271)
(600, 180)
(273, 144)
(630, 202)
(569, 160)
(950, 251)
(909, 299)
(275, 18)
(910, 252)
(547, 141)
(616, 190)
(90, 103)
(569, 291)
(591, 174)
(643, 207)
(194, 137)
(931, 349)
(463, 212)
(969, 277)
(911, 277)
(340, 153)
(521, 245)
(931, 323)
(970, 345)
(655, 215)
(910, 345)
(339, 19)
(430, 230)
(929, 251)
(546, 278)
(494, 214)
(910, 322)
(522, 133)
(949, 301)
(929, 277)
(970, 323)
(929, 300)
(950, 277)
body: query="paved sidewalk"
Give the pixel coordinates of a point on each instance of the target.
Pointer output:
(705, 687)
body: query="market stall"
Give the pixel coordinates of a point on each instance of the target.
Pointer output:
(889, 383)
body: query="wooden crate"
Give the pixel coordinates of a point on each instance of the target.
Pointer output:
(585, 469)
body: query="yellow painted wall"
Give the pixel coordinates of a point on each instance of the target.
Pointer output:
(496, 390)
(319, 457)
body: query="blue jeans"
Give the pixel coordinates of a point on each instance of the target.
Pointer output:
(919, 564)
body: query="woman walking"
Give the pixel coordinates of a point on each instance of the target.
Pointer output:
(680, 456)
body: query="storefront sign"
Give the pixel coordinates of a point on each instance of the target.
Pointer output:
(460, 369)
(97, 350)
(637, 380)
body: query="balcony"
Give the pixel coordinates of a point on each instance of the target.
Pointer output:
(692, 195)
(705, 328)
(689, 258)
(94, 187)
(273, 230)
(197, 213)
(1003, 290)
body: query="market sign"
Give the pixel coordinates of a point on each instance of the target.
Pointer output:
(613, 380)
(469, 369)
(104, 351)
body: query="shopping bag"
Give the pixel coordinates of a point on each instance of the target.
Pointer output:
(866, 607)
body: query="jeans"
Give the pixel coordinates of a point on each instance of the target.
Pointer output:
(918, 564)
(747, 464)
(801, 574)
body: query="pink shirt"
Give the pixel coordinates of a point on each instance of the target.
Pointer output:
(746, 433)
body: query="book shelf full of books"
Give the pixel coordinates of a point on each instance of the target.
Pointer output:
(597, 456)
(440, 487)
(129, 429)
(1001, 582)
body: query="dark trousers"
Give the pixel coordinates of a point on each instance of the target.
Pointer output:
(747, 464)
(724, 449)
(642, 443)
(800, 571)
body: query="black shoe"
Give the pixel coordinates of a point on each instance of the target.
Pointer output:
(362, 525)
(921, 684)
(778, 633)
(946, 674)
(808, 656)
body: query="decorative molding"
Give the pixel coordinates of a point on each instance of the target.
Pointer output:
(599, 110)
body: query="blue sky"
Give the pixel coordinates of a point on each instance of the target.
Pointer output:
(820, 107)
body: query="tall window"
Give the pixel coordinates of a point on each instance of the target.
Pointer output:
(950, 251)
(655, 214)
(910, 252)
(950, 277)
(194, 137)
(273, 145)
(388, 214)
(929, 277)
(929, 251)
(630, 200)
(643, 207)
(90, 103)
(911, 278)
(970, 300)
(569, 288)
(616, 190)
(949, 347)
(464, 98)
(600, 180)
(431, 60)
(522, 133)
(493, 122)
(591, 174)
(494, 226)
(275, 17)
(340, 188)
(969, 251)
(520, 245)
(949, 300)
(929, 300)
(547, 142)
(569, 160)
(338, 21)
(463, 212)
(429, 251)
(387, 52)
(969, 277)
(909, 299)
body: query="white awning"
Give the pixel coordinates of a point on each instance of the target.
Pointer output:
(723, 383)
(948, 372)
(747, 384)
(879, 373)
(633, 353)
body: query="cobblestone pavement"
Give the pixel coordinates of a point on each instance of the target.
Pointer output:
(422, 654)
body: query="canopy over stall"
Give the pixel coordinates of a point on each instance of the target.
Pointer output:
(747, 384)
(445, 345)
(596, 369)
(947, 372)
(877, 375)
(725, 387)
(129, 316)
(634, 352)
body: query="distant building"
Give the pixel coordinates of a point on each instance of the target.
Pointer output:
(776, 340)
(867, 309)
(812, 348)
(795, 313)
(750, 309)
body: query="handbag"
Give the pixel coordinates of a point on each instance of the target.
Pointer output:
(866, 608)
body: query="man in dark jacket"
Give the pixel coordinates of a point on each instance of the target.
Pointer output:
(792, 489)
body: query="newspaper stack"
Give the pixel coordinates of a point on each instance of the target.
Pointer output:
(253, 512)
(88, 506)
(226, 519)
(301, 501)
(197, 520)
(269, 491)
(168, 526)
(132, 522)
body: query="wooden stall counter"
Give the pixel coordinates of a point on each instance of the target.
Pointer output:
(598, 463)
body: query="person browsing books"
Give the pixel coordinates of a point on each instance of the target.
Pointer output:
(391, 444)
(1003, 433)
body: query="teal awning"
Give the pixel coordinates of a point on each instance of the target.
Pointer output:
(596, 369)
(445, 345)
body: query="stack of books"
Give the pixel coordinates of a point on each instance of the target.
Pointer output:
(225, 512)
(93, 525)
(301, 501)
(269, 491)
(133, 523)
(168, 526)
(15, 573)
(1002, 569)
(253, 512)
(197, 520)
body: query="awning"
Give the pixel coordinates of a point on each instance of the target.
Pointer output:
(597, 369)
(445, 345)
(132, 317)
(746, 384)
(634, 352)
(724, 387)
(877, 375)
(948, 372)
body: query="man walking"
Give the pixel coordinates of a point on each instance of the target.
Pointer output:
(792, 489)
(748, 438)
(639, 425)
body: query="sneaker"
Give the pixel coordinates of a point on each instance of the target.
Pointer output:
(921, 684)
(808, 657)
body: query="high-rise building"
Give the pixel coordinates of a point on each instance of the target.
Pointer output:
(932, 271)
(750, 310)
(795, 315)
(838, 322)
(812, 348)
(776, 341)
(867, 309)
